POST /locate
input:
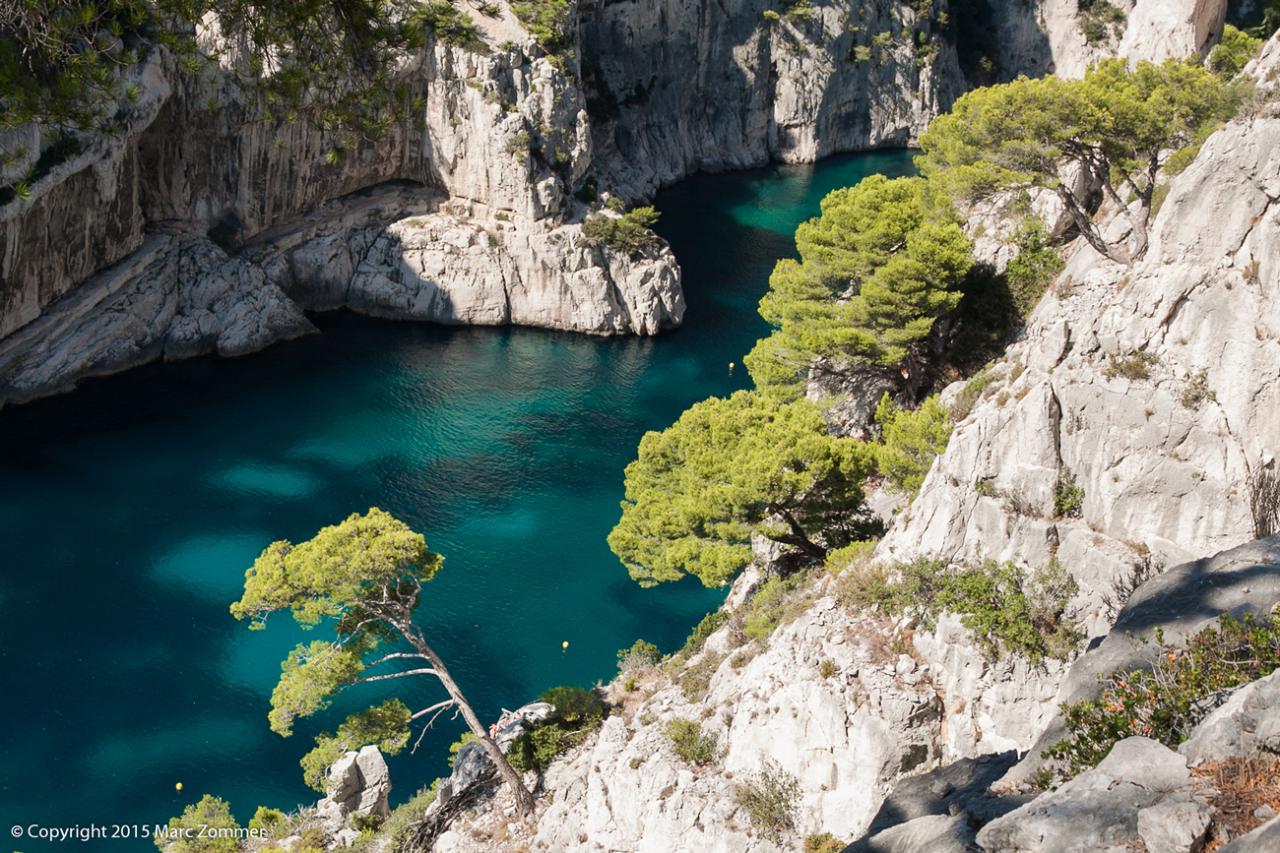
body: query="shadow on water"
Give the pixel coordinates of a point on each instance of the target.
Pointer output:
(131, 508)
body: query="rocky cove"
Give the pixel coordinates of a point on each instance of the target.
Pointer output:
(899, 735)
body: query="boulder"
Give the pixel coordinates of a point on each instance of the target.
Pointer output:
(1141, 796)
(1247, 724)
(358, 783)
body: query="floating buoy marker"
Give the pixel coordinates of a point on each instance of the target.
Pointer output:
(178, 787)
(731, 367)
(565, 644)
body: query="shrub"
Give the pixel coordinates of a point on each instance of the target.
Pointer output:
(577, 713)
(909, 442)
(823, 842)
(827, 668)
(695, 680)
(268, 820)
(548, 21)
(970, 395)
(1029, 272)
(1003, 608)
(1233, 52)
(406, 816)
(1134, 366)
(852, 554)
(1197, 390)
(629, 233)
(204, 827)
(1068, 498)
(690, 743)
(640, 656)
(778, 600)
(1166, 701)
(706, 626)
(770, 799)
(450, 24)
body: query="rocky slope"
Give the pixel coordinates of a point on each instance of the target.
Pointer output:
(201, 227)
(1150, 387)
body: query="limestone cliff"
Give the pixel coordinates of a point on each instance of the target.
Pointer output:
(1153, 389)
(200, 226)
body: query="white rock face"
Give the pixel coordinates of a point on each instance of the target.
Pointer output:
(1048, 36)
(715, 85)
(358, 783)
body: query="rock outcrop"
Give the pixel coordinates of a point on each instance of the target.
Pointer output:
(1150, 388)
(469, 213)
(358, 784)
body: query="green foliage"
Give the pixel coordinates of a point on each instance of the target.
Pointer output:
(727, 469)
(456, 747)
(1068, 497)
(1197, 391)
(1233, 52)
(406, 816)
(1166, 700)
(996, 601)
(641, 655)
(575, 707)
(970, 394)
(334, 571)
(1099, 20)
(706, 626)
(851, 554)
(204, 827)
(631, 233)
(695, 680)
(268, 820)
(1029, 272)
(1117, 124)
(875, 271)
(909, 441)
(823, 842)
(577, 713)
(330, 62)
(770, 798)
(385, 726)
(690, 743)
(775, 602)
(450, 24)
(1134, 366)
(549, 21)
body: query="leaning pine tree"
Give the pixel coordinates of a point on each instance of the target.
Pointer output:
(363, 576)
(732, 468)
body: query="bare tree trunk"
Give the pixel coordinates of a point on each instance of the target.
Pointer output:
(798, 538)
(1090, 234)
(524, 800)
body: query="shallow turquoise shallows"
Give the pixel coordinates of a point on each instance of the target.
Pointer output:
(130, 509)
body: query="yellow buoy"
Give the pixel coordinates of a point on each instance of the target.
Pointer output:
(565, 644)
(177, 787)
(731, 367)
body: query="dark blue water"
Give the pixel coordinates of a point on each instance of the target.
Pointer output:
(130, 509)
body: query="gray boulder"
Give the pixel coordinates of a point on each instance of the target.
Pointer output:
(1141, 796)
(929, 834)
(358, 783)
(1247, 724)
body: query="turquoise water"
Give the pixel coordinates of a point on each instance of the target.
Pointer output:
(130, 509)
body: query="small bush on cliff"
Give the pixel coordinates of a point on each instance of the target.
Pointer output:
(1179, 688)
(629, 233)
(1003, 607)
(909, 442)
(876, 269)
(640, 656)
(549, 22)
(577, 713)
(1029, 272)
(1068, 496)
(1233, 52)
(690, 743)
(204, 827)
(823, 842)
(770, 798)
(731, 468)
